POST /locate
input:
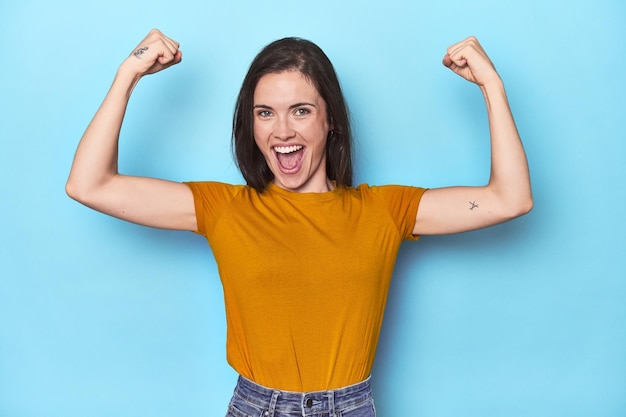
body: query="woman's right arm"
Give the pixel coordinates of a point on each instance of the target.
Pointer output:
(94, 179)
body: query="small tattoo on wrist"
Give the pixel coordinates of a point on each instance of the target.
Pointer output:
(140, 52)
(473, 205)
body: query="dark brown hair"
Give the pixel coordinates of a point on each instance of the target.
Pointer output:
(292, 54)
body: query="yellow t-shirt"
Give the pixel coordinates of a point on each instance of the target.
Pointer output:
(305, 277)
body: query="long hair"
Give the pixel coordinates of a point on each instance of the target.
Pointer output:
(292, 54)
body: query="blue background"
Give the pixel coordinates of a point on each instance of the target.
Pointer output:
(103, 318)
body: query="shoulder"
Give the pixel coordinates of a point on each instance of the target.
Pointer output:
(212, 196)
(399, 202)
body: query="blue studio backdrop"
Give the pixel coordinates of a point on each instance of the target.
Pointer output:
(103, 318)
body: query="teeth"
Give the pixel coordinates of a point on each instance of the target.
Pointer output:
(287, 149)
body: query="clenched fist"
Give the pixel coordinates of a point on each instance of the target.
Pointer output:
(153, 54)
(468, 59)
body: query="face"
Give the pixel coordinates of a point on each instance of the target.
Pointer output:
(291, 128)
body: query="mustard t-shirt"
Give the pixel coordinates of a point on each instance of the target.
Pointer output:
(305, 277)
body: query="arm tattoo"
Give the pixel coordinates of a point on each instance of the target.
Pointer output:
(140, 52)
(473, 205)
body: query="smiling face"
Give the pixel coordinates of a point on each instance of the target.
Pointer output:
(291, 129)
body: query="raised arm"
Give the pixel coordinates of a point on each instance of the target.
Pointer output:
(94, 179)
(508, 193)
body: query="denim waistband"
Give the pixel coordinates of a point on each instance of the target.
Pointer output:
(303, 403)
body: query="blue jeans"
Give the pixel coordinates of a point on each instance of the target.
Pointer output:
(253, 400)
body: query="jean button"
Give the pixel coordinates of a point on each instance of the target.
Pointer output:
(308, 403)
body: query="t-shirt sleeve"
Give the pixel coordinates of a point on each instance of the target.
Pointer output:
(402, 203)
(210, 199)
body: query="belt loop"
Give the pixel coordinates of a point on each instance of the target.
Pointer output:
(331, 403)
(273, 400)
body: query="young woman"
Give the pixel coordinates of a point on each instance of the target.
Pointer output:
(305, 258)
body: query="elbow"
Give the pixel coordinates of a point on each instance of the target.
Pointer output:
(526, 202)
(75, 191)
(70, 189)
(520, 207)
(529, 205)
(525, 207)
(89, 193)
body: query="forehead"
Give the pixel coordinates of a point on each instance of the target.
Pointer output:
(285, 86)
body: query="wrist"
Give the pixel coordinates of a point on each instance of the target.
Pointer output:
(126, 78)
(494, 86)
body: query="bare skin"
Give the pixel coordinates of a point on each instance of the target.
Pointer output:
(290, 118)
(508, 192)
(94, 179)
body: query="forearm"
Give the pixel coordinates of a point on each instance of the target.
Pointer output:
(508, 194)
(510, 178)
(95, 161)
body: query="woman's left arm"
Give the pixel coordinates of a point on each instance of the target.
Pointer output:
(508, 193)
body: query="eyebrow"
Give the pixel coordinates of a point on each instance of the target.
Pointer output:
(293, 106)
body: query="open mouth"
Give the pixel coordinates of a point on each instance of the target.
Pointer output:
(289, 157)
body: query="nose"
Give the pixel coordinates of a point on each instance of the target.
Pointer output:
(283, 129)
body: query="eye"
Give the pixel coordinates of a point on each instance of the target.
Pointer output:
(302, 111)
(264, 113)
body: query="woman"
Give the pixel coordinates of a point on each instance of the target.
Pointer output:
(304, 257)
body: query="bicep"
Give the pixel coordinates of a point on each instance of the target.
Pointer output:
(457, 209)
(146, 201)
